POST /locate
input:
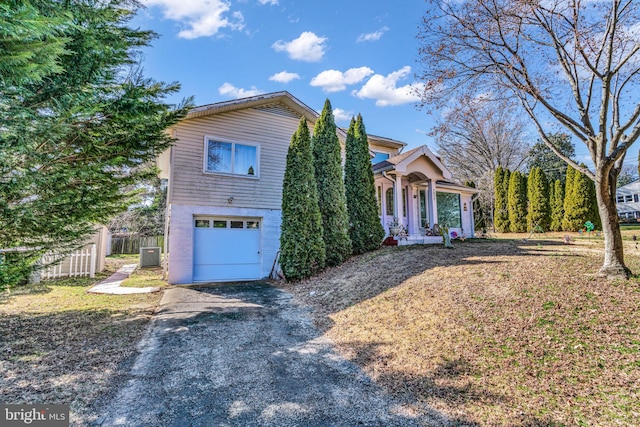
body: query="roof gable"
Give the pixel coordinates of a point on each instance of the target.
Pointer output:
(402, 162)
(273, 102)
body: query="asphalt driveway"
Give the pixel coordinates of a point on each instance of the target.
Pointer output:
(246, 356)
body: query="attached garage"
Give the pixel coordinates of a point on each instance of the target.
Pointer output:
(226, 249)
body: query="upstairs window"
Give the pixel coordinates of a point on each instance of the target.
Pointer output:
(379, 157)
(231, 158)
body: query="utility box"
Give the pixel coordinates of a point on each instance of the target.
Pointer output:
(149, 257)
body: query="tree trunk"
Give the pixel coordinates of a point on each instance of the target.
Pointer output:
(613, 266)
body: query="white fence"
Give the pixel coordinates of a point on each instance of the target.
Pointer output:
(79, 263)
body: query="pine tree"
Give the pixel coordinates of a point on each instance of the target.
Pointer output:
(538, 211)
(80, 125)
(302, 252)
(557, 206)
(331, 194)
(365, 229)
(501, 209)
(517, 202)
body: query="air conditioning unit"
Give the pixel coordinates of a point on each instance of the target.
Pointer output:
(149, 257)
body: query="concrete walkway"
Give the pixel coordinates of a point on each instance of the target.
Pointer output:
(111, 285)
(246, 356)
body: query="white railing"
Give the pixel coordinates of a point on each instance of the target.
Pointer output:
(79, 263)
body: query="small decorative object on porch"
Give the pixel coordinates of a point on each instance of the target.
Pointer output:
(394, 227)
(567, 239)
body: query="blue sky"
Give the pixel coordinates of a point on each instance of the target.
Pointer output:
(359, 54)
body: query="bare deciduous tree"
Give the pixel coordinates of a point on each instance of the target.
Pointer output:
(475, 138)
(569, 62)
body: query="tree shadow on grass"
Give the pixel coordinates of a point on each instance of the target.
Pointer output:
(72, 357)
(445, 384)
(365, 276)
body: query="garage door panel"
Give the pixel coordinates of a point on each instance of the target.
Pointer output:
(213, 272)
(226, 246)
(224, 254)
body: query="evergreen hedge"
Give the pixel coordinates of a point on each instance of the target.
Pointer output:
(302, 251)
(331, 193)
(517, 202)
(557, 206)
(501, 211)
(538, 210)
(365, 229)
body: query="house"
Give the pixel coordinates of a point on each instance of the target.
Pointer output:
(225, 175)
(628, 202)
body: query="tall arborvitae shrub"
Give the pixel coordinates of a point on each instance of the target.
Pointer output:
(557, 206)
(517, 202)
(580, 202)
(538, 211)
(331, 195)
(501, 209)
(365, 228)
(302, 252)
(568, 199)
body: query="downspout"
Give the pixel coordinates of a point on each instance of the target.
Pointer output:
(167, 215)
(393, 181)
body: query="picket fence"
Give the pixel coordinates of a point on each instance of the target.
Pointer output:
(79, 263)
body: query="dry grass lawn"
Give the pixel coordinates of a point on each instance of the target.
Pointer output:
(59, 344)
(492, 332)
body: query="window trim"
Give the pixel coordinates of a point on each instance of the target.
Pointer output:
(233, 143)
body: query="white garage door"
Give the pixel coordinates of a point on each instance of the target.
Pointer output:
(226, 249)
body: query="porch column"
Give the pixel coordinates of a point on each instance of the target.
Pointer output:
(398, 195)
(433, 208)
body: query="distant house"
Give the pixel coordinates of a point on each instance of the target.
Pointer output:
(225, 175)
(628, 202)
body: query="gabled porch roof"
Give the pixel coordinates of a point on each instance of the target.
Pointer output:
(404, 163)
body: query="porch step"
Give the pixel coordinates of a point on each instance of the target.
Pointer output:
(419, 240)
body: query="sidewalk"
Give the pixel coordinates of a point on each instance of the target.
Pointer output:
(111, 285)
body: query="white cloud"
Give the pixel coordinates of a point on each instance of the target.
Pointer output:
(335, 81)
(284, 77)
(385, 91)
(308, 47)
(371, 37)
(201, 18)
(341, 115)
(231, 91)
(270, 2)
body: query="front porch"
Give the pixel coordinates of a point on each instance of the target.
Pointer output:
(414, 194)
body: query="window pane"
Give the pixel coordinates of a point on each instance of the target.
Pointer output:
(202, 223)
(219, 157)
(245, 160)
(219, 224)
(379, 157)
(449, 210)
(379, 200)
(253, 224)
(404, 202)
(389, 196)
(237, 224)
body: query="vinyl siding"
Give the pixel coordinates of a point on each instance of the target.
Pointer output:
(270, 130)
(382, 149)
